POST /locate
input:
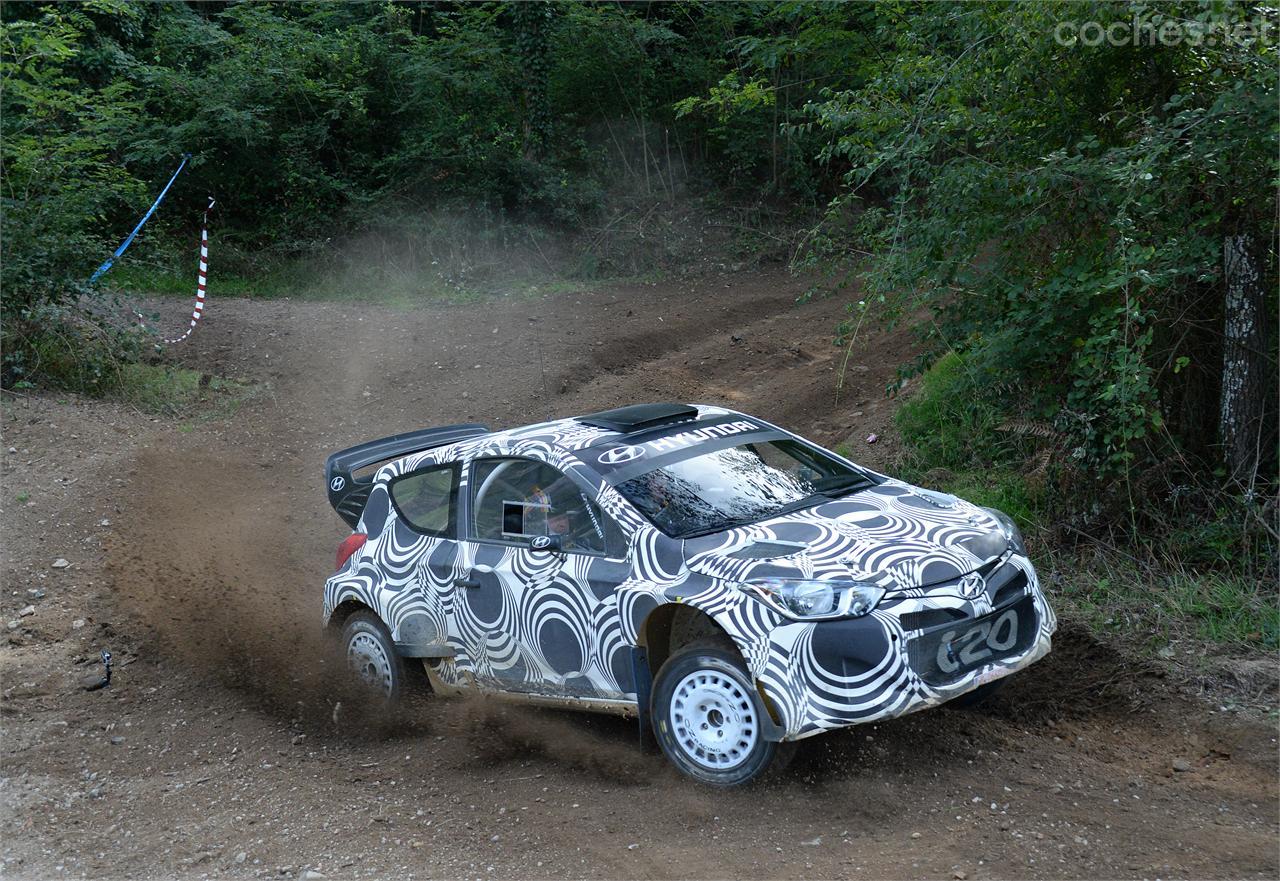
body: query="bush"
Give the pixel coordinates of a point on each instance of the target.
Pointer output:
(947, 420)
(1060, 213)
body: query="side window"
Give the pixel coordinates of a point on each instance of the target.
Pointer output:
(517, 500)
(427, 500)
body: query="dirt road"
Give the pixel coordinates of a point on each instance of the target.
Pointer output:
(196, 551)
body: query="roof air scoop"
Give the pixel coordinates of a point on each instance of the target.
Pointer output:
(640, 417)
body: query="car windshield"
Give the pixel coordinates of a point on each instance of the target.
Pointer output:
(739, 485)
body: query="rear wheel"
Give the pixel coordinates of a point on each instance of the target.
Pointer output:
(708, 717)
(371, 656)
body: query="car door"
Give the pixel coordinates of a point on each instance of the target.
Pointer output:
(526, 613)
(426, 526)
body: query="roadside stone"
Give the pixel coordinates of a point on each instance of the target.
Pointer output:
(35, 593)
(311, 875)
(77, 624)
(915, 834)
(60, 563)
(27, 611)
(1181, 765)
(240, 858)
(117, 740)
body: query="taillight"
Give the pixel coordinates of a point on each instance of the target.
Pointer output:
(352, 543)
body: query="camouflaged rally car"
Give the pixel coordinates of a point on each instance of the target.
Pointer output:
(733, 585)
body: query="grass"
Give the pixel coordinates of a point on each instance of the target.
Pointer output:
(177, 391)
(382, 286)
(23, 498)
(945, 421)
(150, 279)
(1156, 605)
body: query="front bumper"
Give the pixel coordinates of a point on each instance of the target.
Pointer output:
(916, 650)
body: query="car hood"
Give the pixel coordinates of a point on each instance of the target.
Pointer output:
(894, 534)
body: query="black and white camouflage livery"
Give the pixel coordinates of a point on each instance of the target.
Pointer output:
(567, 626)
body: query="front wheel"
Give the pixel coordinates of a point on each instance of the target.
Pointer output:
(371, 656)
(708, 717)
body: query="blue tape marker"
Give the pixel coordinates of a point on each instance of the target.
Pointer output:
(129, 241)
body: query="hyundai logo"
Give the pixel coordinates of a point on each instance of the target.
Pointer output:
(618, 455)
(973, 585)
(337, 483)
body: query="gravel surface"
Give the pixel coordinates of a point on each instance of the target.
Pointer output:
(194, 550)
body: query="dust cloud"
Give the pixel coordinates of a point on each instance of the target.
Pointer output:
(227, 584)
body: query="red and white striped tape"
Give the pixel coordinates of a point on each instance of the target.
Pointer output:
(202, 280)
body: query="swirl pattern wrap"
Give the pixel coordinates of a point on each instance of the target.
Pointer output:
(567, 624)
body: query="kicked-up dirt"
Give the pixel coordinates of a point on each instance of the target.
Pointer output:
(226, 746)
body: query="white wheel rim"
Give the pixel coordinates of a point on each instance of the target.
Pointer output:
(714, 720)
(369, 661)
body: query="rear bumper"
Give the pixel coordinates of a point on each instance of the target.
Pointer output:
(833, 674)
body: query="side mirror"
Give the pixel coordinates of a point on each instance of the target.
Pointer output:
(550, 543)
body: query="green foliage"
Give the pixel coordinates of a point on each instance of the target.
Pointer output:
(1060, 210)
(173, 391)
(1003, 489)
(1160, 605)
(60, 151)
(946, 419)
(67, 347)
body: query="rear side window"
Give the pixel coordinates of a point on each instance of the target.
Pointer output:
(427, 500)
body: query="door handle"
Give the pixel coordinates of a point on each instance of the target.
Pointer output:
(471, 581)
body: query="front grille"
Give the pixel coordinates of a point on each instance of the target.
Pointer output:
(1006, 584)
(1011, 591)
(930, 618)
(945, 653)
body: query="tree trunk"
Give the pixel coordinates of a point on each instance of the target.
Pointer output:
(1244, 366)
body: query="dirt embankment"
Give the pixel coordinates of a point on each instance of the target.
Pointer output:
(197, 551)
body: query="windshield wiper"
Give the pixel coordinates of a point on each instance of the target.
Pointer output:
(841, 484)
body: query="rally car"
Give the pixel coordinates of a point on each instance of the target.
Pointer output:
(731, 584)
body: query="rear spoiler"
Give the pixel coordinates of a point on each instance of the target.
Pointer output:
(348, 494)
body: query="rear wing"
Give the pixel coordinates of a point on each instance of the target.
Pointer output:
(348, 494)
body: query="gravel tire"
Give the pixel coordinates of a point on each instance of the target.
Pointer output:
(707, 717)
(370, 656)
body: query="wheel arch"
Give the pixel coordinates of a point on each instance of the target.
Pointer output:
(344, 610)
(670, 626)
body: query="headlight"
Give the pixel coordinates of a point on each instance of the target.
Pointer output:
(1009, 530)
(813, 599)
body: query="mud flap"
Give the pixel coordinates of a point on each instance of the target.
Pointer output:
(644, 690)
(769, 729)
